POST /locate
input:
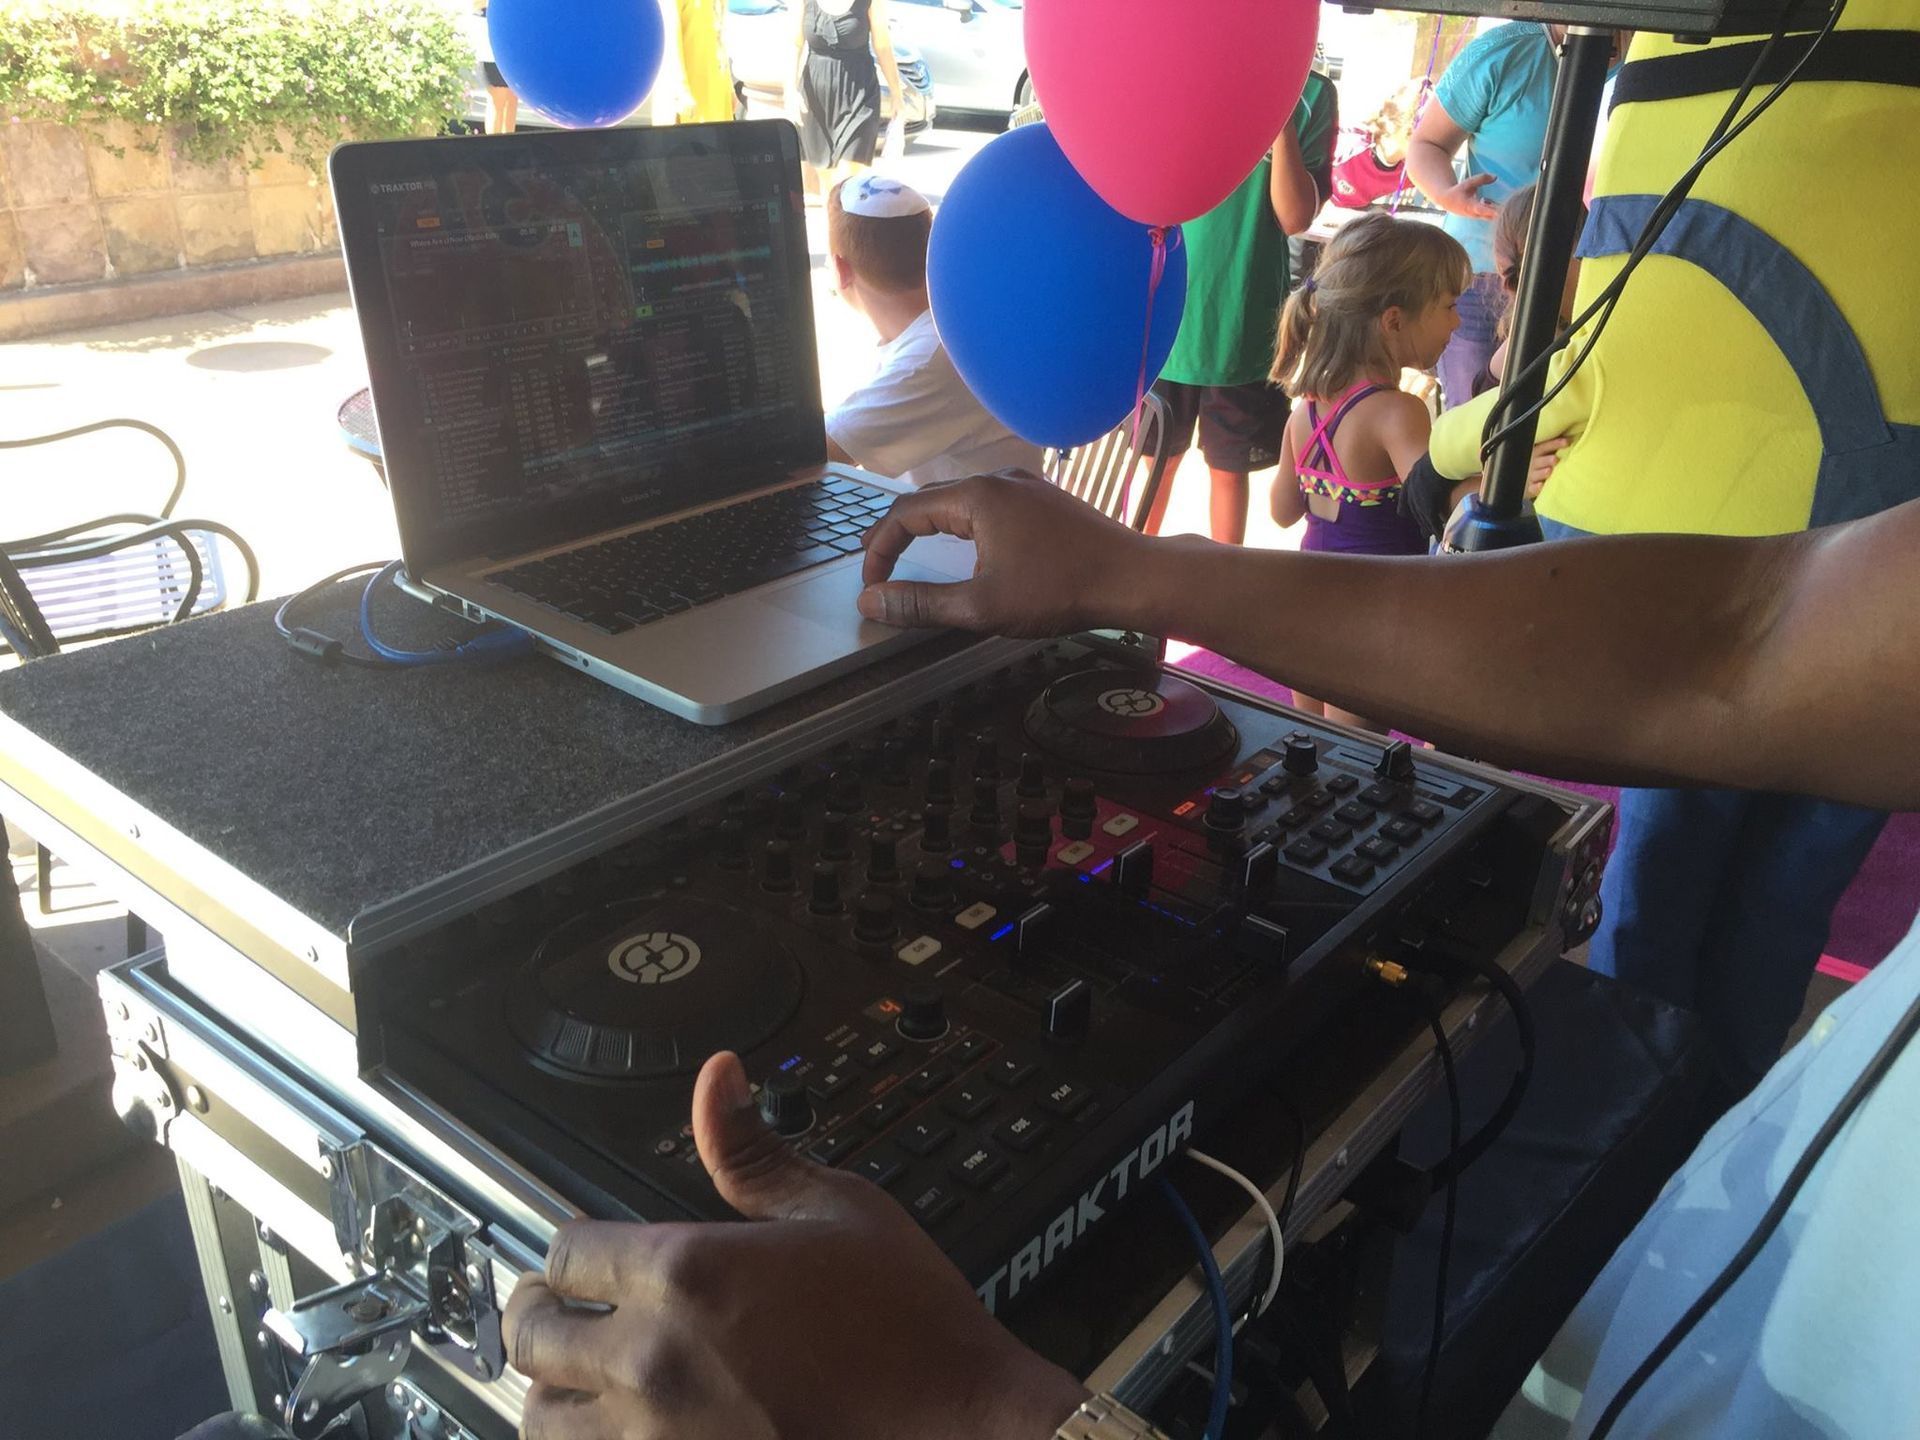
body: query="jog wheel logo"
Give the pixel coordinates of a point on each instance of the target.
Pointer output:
(656, 959)
(1131, 704)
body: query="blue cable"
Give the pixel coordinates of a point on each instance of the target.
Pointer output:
(1222, 1314)
(489, 645)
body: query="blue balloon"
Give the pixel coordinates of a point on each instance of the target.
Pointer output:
(1039, 291)
(582, 62)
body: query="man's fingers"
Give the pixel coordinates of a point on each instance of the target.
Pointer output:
(754, 1170)
(1476, 183)
(920, 605)
(600, 1260)
(936, 510)
(553, 1412)
(547, 1340)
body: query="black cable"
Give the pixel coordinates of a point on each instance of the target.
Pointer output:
(1890, 1050)
(1461, 1156)
(312, 642)
(1724, 134)
(1430, 1013)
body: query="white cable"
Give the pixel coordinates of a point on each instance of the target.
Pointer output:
(1273, 1224)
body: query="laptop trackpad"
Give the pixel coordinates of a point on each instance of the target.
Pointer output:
(831, 598)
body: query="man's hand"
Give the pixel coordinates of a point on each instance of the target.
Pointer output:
(1048, 563)
(1463, 198)
(827, 1313)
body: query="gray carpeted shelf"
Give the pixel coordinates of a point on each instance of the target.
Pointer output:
(340, 788)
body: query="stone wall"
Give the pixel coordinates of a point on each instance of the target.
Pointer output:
(72, 212)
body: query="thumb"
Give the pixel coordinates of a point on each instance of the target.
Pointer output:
(1477, 182)
(919, 604)
(754, 1170)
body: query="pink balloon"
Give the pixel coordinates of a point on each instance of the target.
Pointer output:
(1165, 106)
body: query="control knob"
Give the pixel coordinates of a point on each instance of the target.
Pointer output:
(986, 757)
(873, 918)
(986, 802)
(733, 844)
(923, 1014)
(939, 782)
(893, 763)
(776, 866)
(784, 1105)
(936, 830)
(883, 859)
(1302, 755)
(1227, 810)
(1033, 777)
(843, 790)
(836, 836)
(825, 894)
(1077, 809)
(1396, 761)
(932, 887)
(941, 743)
(1033, 834)
(789, 817)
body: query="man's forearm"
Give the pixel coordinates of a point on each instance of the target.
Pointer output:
(1620, 668)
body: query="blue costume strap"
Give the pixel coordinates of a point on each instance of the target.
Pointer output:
(1788, 300)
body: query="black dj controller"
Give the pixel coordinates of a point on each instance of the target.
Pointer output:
(1001, 955)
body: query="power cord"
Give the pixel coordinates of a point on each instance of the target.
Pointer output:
(1397, 976)
(1222, 1313)
(1863, 1086)
(1724, 133)
(493, 643)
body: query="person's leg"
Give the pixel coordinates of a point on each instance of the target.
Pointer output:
(1795, 859)
(1670, 859)
(1473, 343)
(1227, 507)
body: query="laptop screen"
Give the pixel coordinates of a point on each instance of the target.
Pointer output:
(572, 331)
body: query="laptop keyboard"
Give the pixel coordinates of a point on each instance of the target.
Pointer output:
(635, 579)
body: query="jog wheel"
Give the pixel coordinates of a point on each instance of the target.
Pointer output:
(648, 988)
(1131, 722)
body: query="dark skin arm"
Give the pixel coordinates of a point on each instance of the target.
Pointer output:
(1788, 663)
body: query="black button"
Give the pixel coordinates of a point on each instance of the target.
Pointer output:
(1318, 798)
(923, 1137)
(1353, 869)
(1009, 1071)
(884, 1111)
(968, 1101)
(1306, 851)
(968, 1050)
(934, 1203)
(881, 1168)
(1022, 1132)
(1066, 1097)
(1331, 831)
(1354, 813)
(1378, 794)
(1405, 831)
(828, 1149)
(1277, 785)
(1425, 811)
(980, 1167)
(828, 1083)
(1378, 850)
(1299, 815)
(876, 1052)
(929, 1080)
(1342, 784)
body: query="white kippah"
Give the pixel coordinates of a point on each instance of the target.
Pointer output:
(880, 198)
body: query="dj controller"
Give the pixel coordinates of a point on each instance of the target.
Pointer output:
(1002, 955)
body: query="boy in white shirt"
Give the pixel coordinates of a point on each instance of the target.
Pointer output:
(915, 419)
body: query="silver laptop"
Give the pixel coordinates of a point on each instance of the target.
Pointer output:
(594, 373)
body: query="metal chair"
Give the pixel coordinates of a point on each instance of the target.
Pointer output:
(116, 575)
(1099, 472)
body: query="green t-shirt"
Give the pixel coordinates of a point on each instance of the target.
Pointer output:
(1237, 263)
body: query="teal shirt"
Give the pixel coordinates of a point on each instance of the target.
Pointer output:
(1237, 263)
(1498, 90)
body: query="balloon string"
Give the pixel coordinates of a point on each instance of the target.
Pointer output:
(1419, 109)
(1155, 274)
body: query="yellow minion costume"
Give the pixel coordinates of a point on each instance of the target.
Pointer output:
(1760, 374)
(1761, 371)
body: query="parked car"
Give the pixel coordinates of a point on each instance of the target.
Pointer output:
(759, 35)
(976, 49)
